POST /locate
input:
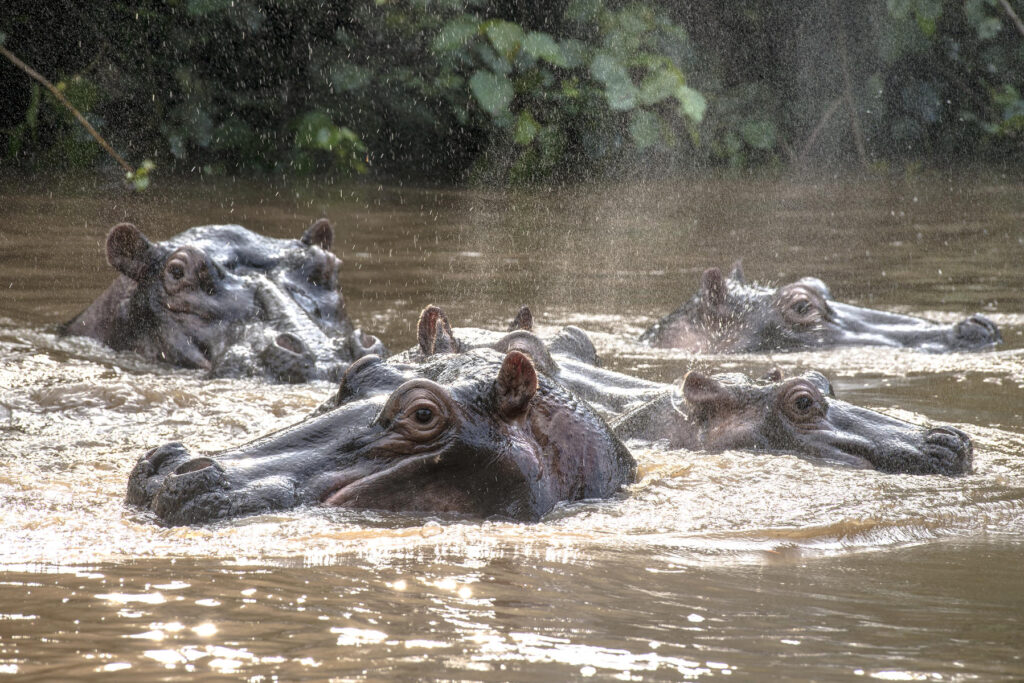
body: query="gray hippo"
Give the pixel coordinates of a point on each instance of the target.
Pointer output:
(798, 415)
(568, 356)
(226, 300)
(477, 433)
(729, 315)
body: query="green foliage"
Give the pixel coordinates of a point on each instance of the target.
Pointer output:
(522, 91)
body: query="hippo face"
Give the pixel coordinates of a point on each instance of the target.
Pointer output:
(730, 316)
(472, 434)
(802, 415)
(225, 300)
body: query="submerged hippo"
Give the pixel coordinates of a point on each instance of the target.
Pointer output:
(728, 315)
(476, 433)
(223, 299)
(568, 357)
(731, 411)
(798, 415)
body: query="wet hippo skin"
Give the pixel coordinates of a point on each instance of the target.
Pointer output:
(223, 299)
(478, 433)
(729, 315)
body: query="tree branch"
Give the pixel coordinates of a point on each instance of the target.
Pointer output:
(63, 100)
(1013, 16)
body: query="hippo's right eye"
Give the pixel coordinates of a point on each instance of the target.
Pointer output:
(176, 270)
(801, 307)
(802, 403)
(419, 410)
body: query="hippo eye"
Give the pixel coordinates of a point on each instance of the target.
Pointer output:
(419, 411)
(176, 270)
(801, 307)
(803, 404)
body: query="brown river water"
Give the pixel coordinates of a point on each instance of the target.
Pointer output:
(736, 564)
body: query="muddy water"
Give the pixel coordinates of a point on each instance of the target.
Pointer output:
(712, 565)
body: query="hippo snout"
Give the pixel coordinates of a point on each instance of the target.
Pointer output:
(950, 450)
(289, 359)
(975, 332)
(365, 344)
(179, 488)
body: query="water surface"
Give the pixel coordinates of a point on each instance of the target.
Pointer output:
(711, 565)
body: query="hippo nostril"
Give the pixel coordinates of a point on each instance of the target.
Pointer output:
(950, 438)
(977, 329)
(289, 342)
(156, 457)
(195, 465)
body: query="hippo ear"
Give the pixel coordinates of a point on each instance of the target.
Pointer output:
(737, 272)
(129, 251)
(821, 382)
(700, 390)
(522, 321)
(773, 375)
(713, 287)
(516, 384)
(320, 234)
(433, 332)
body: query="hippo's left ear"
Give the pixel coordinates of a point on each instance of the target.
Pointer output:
(522, 321)
(821, 382)
(434, 332)
(713, 287)
(737, 272)
(129, 251)
(516, 384)
(704, 391)
(320, 234)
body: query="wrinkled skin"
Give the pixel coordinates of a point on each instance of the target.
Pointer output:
(729, 315)
(568, 357)
(226, 300)
(476, 433)
(715, 413)
(798, 415)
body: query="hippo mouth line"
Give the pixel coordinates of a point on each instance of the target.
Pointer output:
(348, 487)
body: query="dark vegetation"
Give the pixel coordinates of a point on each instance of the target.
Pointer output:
(521, 90)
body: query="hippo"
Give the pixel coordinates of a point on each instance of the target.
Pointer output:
(798, 415)
(729, 315)
(228, 301)
(730, 411)
(478, 434)
(568, 357)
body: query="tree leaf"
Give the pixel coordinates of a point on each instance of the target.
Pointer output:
(526, 129)
(492, 91)
(506, 37)
(543, 46)
(898, 9)
(759, 134)
(456, 33)
(618, 86)
(659, 85)
(644, 128)
(691, 103)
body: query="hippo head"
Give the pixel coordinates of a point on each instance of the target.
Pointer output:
(475, 434)
(802, 415)
(223, 299)
(435, 335)
(728, 315)
(185, 302)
